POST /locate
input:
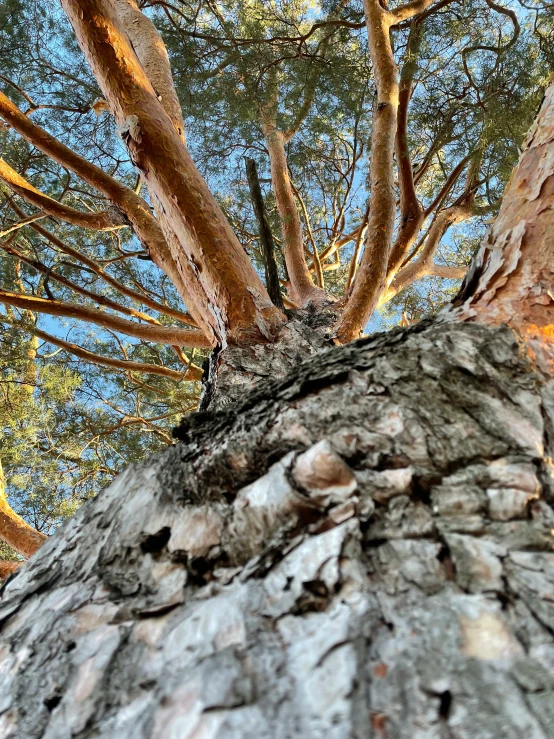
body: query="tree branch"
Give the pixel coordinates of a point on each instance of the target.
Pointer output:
(160, 334)
(372, 271)
(303, 289)
(411, 213)
(97, 269)
(16, 532)
(99, 299)
(192, 373)
(266, 237)
(410, 10)
(424, 265)
(145, 226)
(103, 221)
(152, 54)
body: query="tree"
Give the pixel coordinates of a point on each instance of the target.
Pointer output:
(359, 545)
(242, 64)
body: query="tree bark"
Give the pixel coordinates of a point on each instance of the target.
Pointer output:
(363, 549)
(359, 548)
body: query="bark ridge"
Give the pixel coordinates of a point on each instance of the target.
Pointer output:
(360, 549)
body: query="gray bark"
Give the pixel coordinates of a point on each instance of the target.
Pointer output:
(362, 549)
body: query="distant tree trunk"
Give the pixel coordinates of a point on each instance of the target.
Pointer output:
(360, 546)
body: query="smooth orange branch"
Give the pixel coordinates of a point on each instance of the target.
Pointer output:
(409, 10)
(411, 212)
(101, 272)
(358, 245)
(160, 334)
(190, 374)
(100, 299)
(372, 272)
(218, 275)
(145, 226)
(103, 221)
(303, 289)
(315, 254)
(16, 532)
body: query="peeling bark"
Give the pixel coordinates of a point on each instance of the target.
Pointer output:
(219, 278)
(363, 549)
(511, 280)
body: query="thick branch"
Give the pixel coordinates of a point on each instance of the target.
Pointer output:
(152, 54)
(16, 532)
(303, 289)
(372, 272)
(410, 209)
(409, 10)
(226, 288)
(7, 568)
(160, 334)
(447, 272)
(316, 261)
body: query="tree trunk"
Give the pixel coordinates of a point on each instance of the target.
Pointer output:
(361, 549)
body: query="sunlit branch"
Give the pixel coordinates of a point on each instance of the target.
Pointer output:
(190, 374)
(16, 532)
(159, 334)
(145, 226)
(102, 221)
(97, 269)
(95, 297)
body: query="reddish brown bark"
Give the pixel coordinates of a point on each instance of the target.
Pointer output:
(303, 290)
(103, 221)
(227, 290)
(14, 530)
(161, 334)
(512, 278)
(372, 272)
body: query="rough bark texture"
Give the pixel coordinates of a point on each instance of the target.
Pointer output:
(363, 549)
